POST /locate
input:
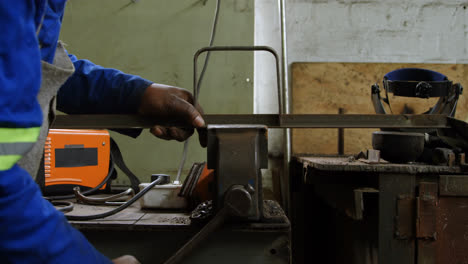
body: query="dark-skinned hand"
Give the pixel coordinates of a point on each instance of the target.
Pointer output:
(165, 102)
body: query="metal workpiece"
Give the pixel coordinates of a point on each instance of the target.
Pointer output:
(269, 120)
(237, 153)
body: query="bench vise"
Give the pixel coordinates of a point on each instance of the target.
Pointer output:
(237, 153)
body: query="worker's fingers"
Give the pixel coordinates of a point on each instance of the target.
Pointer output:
(172, 103)
(187, 112)
(180, 134)
(203, 136)
(169, 133)
(187, 96)
(126, 259)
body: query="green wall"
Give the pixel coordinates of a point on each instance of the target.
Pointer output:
(157, 40)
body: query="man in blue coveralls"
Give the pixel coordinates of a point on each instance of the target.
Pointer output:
(37, 74)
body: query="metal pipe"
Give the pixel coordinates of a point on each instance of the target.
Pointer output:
(238, 48)
(287, 109)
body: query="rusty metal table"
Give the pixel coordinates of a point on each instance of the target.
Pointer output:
(348, 211)
(153, 236)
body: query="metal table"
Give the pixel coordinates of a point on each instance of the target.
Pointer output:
(350, 211)
(153, 236)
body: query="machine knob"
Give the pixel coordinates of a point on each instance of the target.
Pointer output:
(238, 201)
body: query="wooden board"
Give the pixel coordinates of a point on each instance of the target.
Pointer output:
(323, 88)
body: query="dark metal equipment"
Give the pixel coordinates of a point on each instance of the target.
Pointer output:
(398, 147)
(237, 153)
(378, 213)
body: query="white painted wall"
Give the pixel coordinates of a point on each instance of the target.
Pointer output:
(357, 31)
(267, 30)
(377, 31)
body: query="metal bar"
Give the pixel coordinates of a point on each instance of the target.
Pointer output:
(286, 108)
(340, 135)
(269, 120)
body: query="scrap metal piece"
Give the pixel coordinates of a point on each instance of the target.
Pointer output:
(443, 156)
(461, 159)
(202, 212)
(373, 156)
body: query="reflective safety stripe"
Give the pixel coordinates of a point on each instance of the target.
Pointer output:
(13, 135)
(14, 143)
(19, 148)
(7, 161)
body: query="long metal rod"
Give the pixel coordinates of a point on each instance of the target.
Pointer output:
(240, 48)
(287, 149)
(269, 120)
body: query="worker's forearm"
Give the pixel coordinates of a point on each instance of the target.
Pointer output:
(93, 89)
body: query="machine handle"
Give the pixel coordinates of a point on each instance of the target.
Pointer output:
(237, 48)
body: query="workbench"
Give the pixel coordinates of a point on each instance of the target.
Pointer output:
(351, 211)
(152, 236)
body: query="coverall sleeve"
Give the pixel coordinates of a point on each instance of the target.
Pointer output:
(31, 230)
(93, 89)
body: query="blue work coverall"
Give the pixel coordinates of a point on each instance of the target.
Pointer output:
(32, 231)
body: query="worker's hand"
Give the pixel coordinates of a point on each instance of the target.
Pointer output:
(126, 259)
(172, 103)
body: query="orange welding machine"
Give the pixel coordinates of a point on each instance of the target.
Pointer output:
(76, 158)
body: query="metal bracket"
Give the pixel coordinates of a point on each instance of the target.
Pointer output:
(404, 221)
(426, 211)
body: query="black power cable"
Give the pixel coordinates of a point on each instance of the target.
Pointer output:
(120, 208)
(196, 89)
